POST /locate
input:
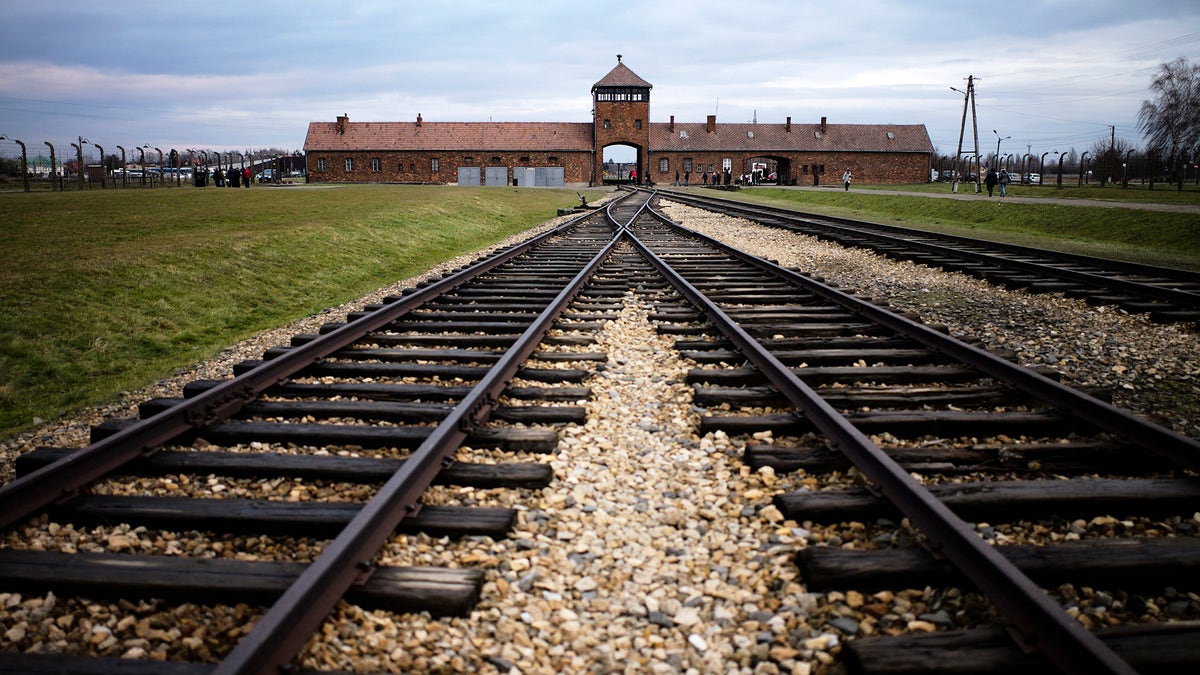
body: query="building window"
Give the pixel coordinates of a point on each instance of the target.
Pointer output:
(349, 165)
(495, 160)
(468, 160)
(552, 159)
(321, 164)
(726, 164)
(433, 164)
(687, 164)
(607, 124)
(664, 165)
(637, 124)
(376, 164)
(525, 159)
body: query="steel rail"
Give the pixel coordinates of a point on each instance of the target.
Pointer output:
(1183, 451)
(1145, 290)
(1044, 624)
(28, 494)
(282, 632)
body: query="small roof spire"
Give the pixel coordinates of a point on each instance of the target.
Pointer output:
(618, 58)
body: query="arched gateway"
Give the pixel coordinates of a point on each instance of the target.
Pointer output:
(572, 153)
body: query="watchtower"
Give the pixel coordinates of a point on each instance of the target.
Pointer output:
(621, 115)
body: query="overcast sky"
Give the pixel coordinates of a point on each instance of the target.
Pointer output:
(253, 73)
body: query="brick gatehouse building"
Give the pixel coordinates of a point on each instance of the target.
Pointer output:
(572, 153)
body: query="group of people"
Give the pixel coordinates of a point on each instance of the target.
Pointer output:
(994, 178)
(231, 177)
(715, 178)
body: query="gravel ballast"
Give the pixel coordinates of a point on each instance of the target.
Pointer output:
(654, 550)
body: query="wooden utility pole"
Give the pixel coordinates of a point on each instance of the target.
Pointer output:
(968, 100)
(1112, 153)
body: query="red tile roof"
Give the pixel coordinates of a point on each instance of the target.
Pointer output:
(577, 137)
(621, 76)
(802, 138)
(450, 136)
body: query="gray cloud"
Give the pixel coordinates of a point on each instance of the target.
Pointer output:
(252, 74)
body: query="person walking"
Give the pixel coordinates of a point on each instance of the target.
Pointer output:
(1003, 182)
(676, 177)
(246, 177)
(846, 179)
(990, 180)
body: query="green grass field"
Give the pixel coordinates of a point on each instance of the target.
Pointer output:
(1164, 238)
(104, 291)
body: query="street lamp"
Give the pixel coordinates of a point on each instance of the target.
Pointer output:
(958, 157)
(24, 160)
(998, 139)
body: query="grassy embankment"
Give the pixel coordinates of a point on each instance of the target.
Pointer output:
(1152, 237)
(105, 291)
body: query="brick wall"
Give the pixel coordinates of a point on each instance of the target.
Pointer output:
(416, 167)
(865, 167)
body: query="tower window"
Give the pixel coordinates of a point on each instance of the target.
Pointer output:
(607, 124)
(637, 124)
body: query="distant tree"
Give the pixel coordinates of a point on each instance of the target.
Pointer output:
(1171, 122)
(1105, 158)
(1071, 163)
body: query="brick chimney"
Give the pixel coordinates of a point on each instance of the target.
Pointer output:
(822, 124)
(418, 119)
(341, 123)
(672, 127)
(788, 127)
(712, 124)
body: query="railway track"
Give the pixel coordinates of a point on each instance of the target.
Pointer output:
(384, 400)
(1166, 295)
(826, 385)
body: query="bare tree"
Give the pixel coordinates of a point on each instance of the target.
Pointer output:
(1108, 156)
(1171, 122)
